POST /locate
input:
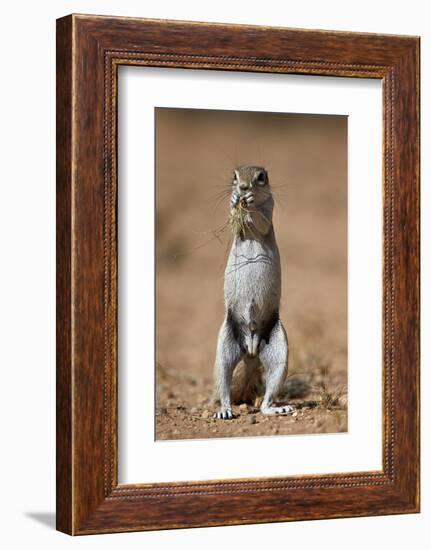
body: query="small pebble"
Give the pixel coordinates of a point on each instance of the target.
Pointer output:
(193, 410)
(205, 415)
(243, 407)
(251, 420)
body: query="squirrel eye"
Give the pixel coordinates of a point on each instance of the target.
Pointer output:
(261, 179)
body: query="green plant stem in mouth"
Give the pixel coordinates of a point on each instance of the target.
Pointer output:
(237, 218)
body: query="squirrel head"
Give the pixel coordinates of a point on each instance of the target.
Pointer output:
(252, 179)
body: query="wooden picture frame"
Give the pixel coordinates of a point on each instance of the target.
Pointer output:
(89, 51)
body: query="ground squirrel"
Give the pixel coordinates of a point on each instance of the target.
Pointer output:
(252, 331)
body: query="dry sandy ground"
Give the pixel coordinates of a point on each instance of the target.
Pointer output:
(306, 156)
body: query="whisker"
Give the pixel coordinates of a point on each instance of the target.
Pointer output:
(218, 203)
(216, 235)
(222, 194)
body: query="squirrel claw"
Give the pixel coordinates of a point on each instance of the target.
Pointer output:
(224, 415)
(234, 201)
(249, 198)
(278, 411)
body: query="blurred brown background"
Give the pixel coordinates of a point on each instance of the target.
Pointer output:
(306, 156)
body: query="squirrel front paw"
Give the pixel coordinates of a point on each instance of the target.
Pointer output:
(234, 200)
(249, 198)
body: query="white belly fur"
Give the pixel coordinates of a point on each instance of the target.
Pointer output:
(253, 274)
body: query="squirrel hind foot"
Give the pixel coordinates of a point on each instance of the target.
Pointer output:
(224, 414)
(272, 411)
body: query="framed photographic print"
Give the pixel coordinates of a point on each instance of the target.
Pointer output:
(237, 274)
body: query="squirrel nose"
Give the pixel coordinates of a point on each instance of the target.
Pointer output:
(244, 185)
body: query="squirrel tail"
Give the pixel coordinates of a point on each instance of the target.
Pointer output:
(252, 339)
(248, 384)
